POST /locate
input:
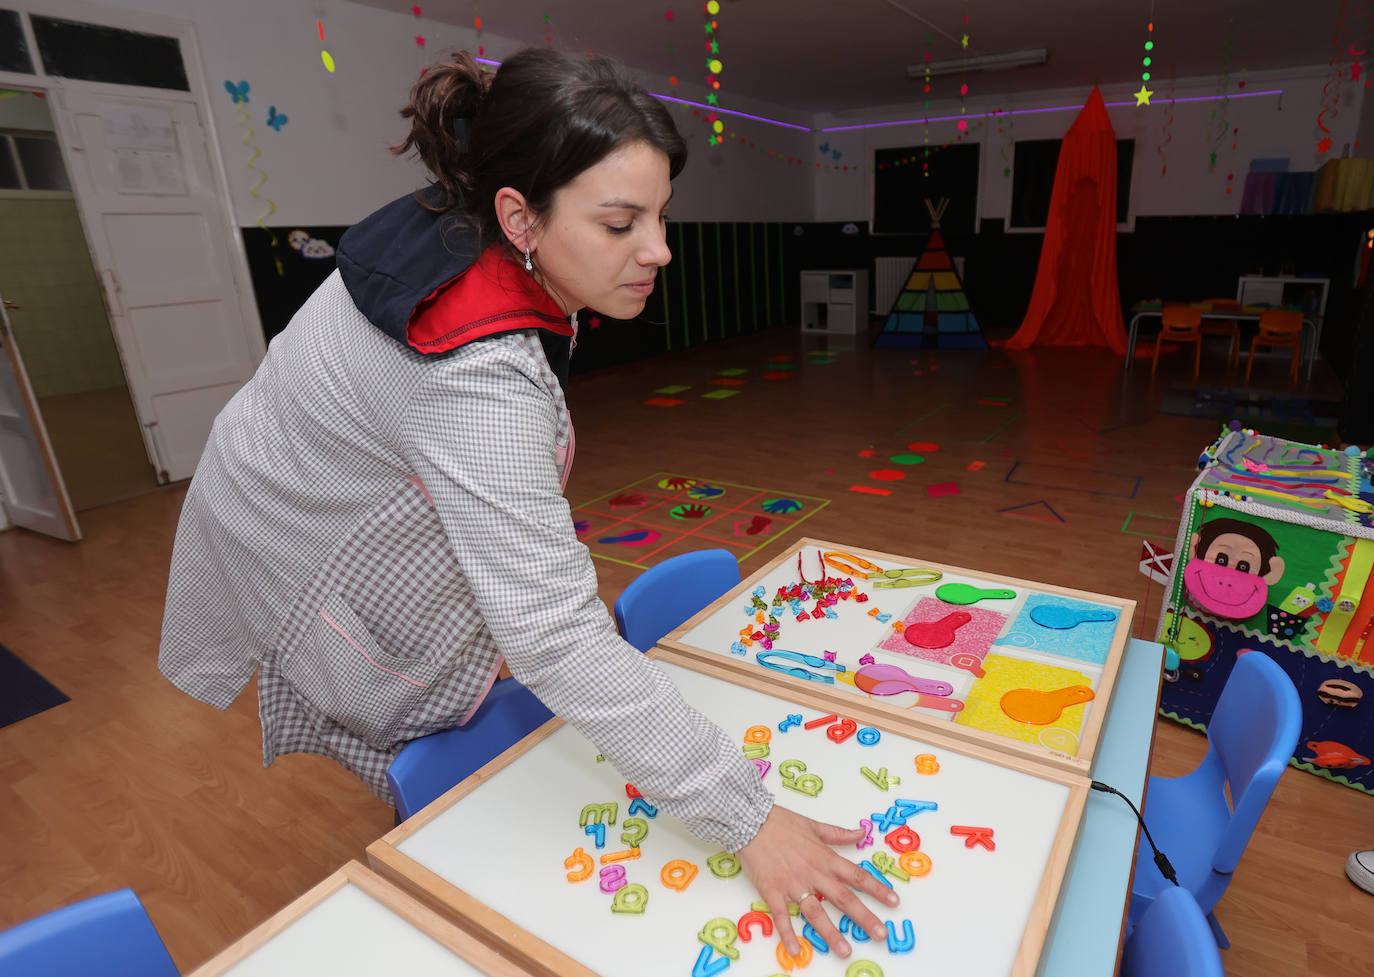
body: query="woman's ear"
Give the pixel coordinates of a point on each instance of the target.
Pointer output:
(513, 214)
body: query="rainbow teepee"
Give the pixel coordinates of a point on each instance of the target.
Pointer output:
(932, 309)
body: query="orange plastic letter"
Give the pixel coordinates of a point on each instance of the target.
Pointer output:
(800, 960)
(584, 864)
(916, 863)
(758, 734)
(677, 873)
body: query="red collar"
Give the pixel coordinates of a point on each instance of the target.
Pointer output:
(492, 295)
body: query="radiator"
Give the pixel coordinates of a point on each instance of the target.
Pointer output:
(889, 277)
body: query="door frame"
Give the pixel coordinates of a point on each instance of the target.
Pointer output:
(65, 514)
(185, 34)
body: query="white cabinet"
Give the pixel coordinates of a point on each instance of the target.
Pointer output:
(834, 301)
(1308, 294)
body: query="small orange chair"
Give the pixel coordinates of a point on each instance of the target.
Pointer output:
(1224, 327)
(1180, 324)
(1278, 328)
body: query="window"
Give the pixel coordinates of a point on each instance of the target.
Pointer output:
(14, 50)
(31, 161)
(900, 189)
(1032, 181)
(90, 52)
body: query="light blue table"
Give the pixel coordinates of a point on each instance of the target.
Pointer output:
(1086, 932)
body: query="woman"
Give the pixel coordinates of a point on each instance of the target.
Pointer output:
(378, 519)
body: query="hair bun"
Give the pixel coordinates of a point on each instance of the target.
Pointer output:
(443, 103)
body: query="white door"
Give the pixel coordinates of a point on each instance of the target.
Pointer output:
(34, 495)
(147, 190)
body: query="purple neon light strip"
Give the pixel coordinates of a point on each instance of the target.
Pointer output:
(721, 111)
(699, 105)
(1056, 108)
(933, 118)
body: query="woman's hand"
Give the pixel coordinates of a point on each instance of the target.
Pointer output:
(791, 860)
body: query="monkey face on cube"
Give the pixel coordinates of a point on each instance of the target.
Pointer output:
(1232, 567)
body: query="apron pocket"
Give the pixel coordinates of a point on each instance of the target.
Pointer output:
(341, 670)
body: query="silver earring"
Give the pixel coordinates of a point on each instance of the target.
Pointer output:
(529, 265)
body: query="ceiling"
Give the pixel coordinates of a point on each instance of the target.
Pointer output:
(813, 56)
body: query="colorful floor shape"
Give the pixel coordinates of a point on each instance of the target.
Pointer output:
(1090, 480)
(870, 490)
(663, 401)
(1150, 524)
(942, 489)
(719, 394)
(665, 514)
(1028, 510)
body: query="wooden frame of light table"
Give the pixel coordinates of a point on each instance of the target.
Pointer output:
(488, 853)
(845, 699)
(400, 922)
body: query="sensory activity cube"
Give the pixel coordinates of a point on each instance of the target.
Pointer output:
(1274, 555)
(584, 877)
(1014, 665)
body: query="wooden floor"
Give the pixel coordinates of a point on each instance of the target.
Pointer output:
(134, 784)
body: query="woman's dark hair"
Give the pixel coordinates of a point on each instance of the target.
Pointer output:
(536, 123)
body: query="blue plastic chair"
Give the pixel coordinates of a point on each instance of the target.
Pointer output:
(1173, 939)
(427, 767)
(1251, 737)
(106, 936)
(667, 594)
(657, 601)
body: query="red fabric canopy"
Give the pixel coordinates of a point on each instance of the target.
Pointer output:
(1077, 298)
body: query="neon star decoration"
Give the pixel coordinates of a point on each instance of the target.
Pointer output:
(714, 66)
(1142, 97)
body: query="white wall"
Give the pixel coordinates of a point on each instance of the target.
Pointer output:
(1270, 126)
(330, 165)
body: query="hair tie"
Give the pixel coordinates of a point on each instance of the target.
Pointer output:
(460, 131)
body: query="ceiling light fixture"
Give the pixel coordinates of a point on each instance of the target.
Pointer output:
(980, 62)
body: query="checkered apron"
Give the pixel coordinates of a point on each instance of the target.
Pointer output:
(372, 530)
